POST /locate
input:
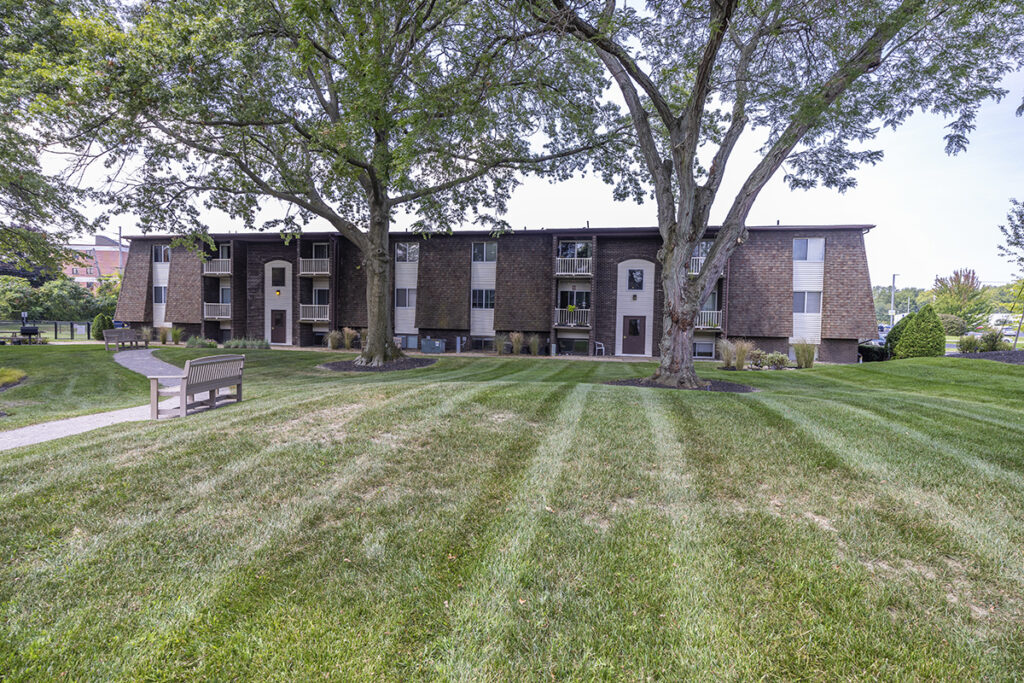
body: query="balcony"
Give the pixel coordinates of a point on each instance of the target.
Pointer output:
(217, 266)
(573, 266)
(696, 263)
(576, 318)
(217, 311)
(709, 320)
(314, 266)
(314, 312)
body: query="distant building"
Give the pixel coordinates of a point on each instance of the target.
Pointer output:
(103, 257)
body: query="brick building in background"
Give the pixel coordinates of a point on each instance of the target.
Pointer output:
(100, 258)
(585, 291)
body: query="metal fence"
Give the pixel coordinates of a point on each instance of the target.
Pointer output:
(56, 330)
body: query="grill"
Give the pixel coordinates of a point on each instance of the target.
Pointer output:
(27, 331)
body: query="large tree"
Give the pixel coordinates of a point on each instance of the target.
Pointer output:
(817, 79)
(343, 111)
(962, 294)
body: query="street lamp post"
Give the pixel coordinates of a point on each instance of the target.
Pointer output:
(892, 300)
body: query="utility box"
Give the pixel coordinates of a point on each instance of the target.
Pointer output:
(432, 345)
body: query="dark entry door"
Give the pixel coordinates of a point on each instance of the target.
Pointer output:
(634, 334)
(278, 334)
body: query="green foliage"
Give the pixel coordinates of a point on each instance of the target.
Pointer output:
(500, 340)
(893, 338)
(992, 340)
(726, 352)
(57, 299)
(9, 376)
(872, 354)
(804, 353)
(16, 295)
(922, 337)
(348, 337)
(1013, 234)
(907, 300)
(332, 340)
(176, 334)
(968, 344)
(197, 342)
(775, 360)
(256, 343)
(741, 349)
(161, 334)
(952, 325)
(534, 343)
(962, 294)
(516, 339)
(99, 323)
(147, 332)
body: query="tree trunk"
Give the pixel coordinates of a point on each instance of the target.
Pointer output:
(682, 304)
(378, 345)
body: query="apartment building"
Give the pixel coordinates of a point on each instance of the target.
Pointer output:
(101, 257)
(584, 291)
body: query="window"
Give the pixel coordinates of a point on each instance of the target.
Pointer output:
(224, 251)
(277, 277)
(160, 295)
(807, 302)
(405, 298)
(74, 271)
(483, 298)
(574, 249)
(711, 303)
(320, 296)
(577, 299)
(635, 279)
(161, 253)
(320, 250)
(88, 285)
(88, 271)
(703, 349)
(704, 248)
(407, 252)
(225, 295)
(485, 252)
(809, 249)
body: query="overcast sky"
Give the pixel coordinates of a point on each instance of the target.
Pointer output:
(933, 213)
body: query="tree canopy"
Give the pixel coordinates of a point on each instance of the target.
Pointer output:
(962, 294)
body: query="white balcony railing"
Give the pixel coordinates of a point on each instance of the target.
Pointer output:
(577, 318)
(696, 263)
(217, 266)
(709, 320)
(217, 311)
(314, 312)
(573, 266)
(314, 266)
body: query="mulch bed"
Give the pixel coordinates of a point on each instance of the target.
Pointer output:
(715, 385)
(1011, 357)
(11, 385)
(400, 364)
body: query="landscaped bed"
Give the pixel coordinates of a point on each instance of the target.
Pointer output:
(1015, 357)
(517, 519)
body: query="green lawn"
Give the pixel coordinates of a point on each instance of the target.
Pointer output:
(514, 519)
(66, 381)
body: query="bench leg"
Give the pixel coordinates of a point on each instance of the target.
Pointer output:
(154, 400)
(212, 400)
(183, 406)
(238, 393)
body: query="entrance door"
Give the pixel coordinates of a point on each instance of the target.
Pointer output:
(634, 334)
(278, 333)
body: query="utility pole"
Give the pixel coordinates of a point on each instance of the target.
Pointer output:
(892, 300)
(120, 266)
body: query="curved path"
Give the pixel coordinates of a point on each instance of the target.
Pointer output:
(141, 361)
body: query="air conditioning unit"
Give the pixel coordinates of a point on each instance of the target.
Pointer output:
(432, 345)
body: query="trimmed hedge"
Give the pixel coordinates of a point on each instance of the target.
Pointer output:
(99, 323)
(952, 325)
(872, 354)
(896, 332)
(922, 337)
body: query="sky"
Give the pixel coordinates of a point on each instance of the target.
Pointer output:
(933, 213)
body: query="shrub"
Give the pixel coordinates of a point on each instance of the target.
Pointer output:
(348, 337)
(161, 334)
(517, 342)
(726, 352)
(968, 344)
(499, 343)
(775, 360)
(11, 376)
(334, 340)
(146, 332)
(756, 358)
(922, 337)
(742, 348)
(197, 342)
(176, 333)
(952, 325)
(246, 343)
(534, 343)
(804, 353)
(871, 354)
(896, 332)
(992, 340)
(99, 323)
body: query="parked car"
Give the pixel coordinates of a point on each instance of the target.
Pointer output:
(875, 342)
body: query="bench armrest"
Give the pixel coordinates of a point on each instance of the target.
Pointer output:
(165, 376)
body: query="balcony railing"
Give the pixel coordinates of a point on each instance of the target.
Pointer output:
(696, 263)
(217, 266)
(709, 320)
(314, 312)
(577, 318)
(573, 266)
(217, 311)
(314, 266)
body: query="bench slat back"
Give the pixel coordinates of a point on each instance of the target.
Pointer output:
(213, 371)
(121, 334)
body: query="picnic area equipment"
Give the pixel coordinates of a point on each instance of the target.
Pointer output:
(123, 337)
(210, 373)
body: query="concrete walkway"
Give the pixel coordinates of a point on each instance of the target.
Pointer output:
(136, 360)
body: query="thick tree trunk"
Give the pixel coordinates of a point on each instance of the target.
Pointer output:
(378, 346)
(682, 304)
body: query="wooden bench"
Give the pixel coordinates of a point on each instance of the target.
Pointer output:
(122, 337)
(211, 374)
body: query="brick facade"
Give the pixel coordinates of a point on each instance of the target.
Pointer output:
(257, 256)
(608, 254)
(761, 286)
(443, 282)
(184, 299)
(523, 275)
(350, 303)
(847, 307)
(135, 303)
